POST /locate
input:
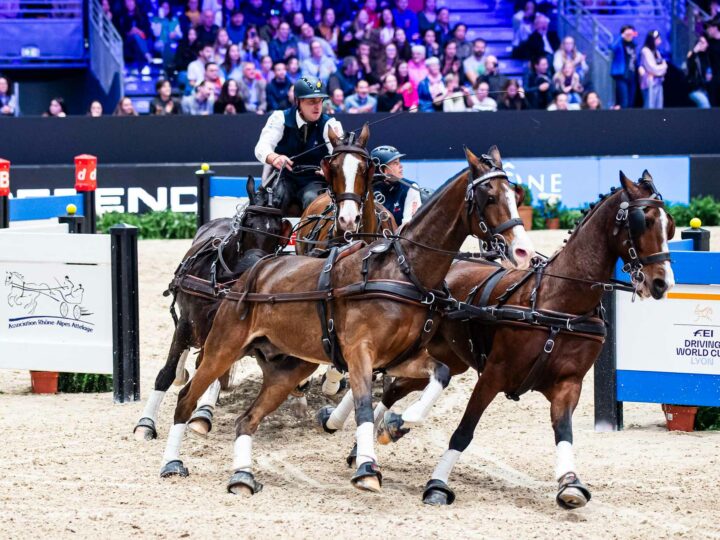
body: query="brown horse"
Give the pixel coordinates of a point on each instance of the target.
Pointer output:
(348, 205)
(552, 350)
(273, 309)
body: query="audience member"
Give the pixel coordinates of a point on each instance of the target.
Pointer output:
(370, 9)
(237, 28)
(314, 15)
(492, 75)
(191, 17)
(442, 25)
(463, 47)
(522, 23)
(474, 65)
(328, 28)
(713, 38)
(567, 81)
(401, 42)
(277, 89)
(253, 48)
(252, 89)
(255, 13)
(163, 103)
(386, 32)
(417, 70)
(166, 30)
(427, 17)
(56, 108)
(481, 100)
(318, 65)
(125, 107)
(568, 52)
(223, 16)
(653, 74)
(196, 69)
(229, 101)
(513, 97)
(346, 77)
(432, 47)
(95, 110)
(431, 89)
(213, 76)
(269, 31)
(207, 29)
(8, 100)
(222, 42)
(293, 69)
(698, 69)
(284, 45)
(336, 103)
(624, 68)
(366, 66)
(387, 61)
(406, 19)
(134, 27)
(298, 19)
(232, 66)
(266, 71)
(542, 42)
(540, 85)
(200, 102)
(389, 99)
(560, 103)
(591, 102)
(457, 98)
(187, 50)
(361, 101)
(307, 37)
(406, 88)
(450, 61)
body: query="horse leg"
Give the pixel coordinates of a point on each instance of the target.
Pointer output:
(437, 492)
(367, 477)
(332, 381)
(145, 429)
(330, 418)
(220, 351)
(201, 420)
(571, 492)
(395, 425)
(280, 377)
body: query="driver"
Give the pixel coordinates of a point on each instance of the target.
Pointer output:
(399, 196)
(301, 129)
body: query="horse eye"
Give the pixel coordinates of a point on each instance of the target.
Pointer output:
(491, 200)
(649, 222)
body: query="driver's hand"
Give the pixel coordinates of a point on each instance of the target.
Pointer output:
(280, 161)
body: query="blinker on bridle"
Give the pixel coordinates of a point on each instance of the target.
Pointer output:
(492, 236)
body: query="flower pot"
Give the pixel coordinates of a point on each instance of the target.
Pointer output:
(526, 213)
(44, 382)
(552, 223)
(679, 417)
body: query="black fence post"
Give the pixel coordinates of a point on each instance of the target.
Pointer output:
(608, 410)
(74, 222)
(700, 238)
(126, 339)
(89, 225)
(4, 212)
(203, 194)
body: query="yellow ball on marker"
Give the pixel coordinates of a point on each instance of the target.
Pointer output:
(695, 223)
(71, 209)
(205, 167)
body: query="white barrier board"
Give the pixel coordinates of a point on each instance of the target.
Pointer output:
(226, 206)
(56, 302)
(37, 226)
(680, 334)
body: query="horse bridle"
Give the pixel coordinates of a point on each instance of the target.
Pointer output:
(631, 216)
(492, 236)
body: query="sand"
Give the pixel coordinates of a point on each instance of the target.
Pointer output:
(69, 466)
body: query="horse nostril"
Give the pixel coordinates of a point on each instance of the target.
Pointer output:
(660, 284)
(520, 253)
(357, 218)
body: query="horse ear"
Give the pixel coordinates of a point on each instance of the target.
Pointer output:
(364, 135)
(627, 184)
(286, 228)
(333, 136)
(472, 159)
(646, 176)
(251, 189)
(325, 168)
(494, 153)
(519, 194)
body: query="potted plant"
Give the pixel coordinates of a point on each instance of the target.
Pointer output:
(526, 210)
(44, 382)
(550, 209)
(679, 417)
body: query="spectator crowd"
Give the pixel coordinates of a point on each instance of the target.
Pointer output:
(243, 56)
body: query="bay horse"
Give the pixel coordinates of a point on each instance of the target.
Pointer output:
(349, 204)
(543, 331)
(221, 251)
(273, 307)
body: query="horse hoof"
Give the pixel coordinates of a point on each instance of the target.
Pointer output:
(352, 456)
(243, 483)
(572, 493)
(322, 417)
(201, 421)
(145, 430)
(174, 468)
(368, 477)
(391, 429)
(182, 381)
(438, 493)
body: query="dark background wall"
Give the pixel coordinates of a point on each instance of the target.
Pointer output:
(157, 151)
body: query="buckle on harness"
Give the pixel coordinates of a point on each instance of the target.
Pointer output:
(428, 325)
(331, 325)
(632, 253)
(429, 299)
(549, 346)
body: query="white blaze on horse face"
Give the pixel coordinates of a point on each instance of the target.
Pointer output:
(521, 240)
(349, 210)
(669, 274)
(565, 459)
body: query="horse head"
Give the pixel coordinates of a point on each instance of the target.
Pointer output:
(263, 216)
(493, 202)
(348, 171)
(641, 231)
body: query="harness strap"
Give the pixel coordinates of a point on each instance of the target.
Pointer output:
(330, 342)
(538, 367)
(492, 282)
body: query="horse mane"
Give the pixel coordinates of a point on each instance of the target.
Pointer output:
(591, 211)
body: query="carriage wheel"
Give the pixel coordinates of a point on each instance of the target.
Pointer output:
(64, 309)
(77, 312)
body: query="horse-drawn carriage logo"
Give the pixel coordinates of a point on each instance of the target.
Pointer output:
(703, 313)
(61, 300)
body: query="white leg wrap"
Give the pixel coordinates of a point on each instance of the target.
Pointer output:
(445, 465)
(418, 411)
(153, 405)
(331, 384)
(341, 412)
(172, 448)
(210, 397)
(242, 453)
(379, 414)
(365, 436)
(565, 459)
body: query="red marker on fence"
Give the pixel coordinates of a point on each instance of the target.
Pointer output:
(4, 193)
(86, 183)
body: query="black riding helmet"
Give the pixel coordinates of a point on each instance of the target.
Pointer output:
(382, 155)
(309, 87)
